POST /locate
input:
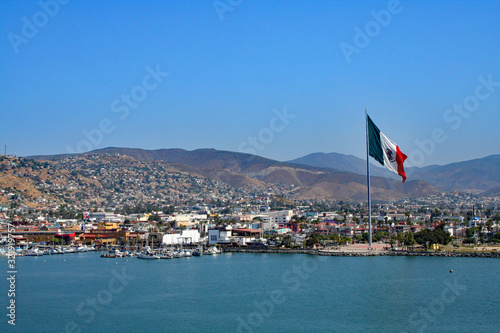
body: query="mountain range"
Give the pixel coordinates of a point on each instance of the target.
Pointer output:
(320, 175)
(474, 175)
(302, 181)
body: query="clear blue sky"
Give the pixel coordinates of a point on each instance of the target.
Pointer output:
(226, 76)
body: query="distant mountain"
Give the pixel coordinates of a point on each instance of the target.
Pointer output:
(494, 192)
(341, 162)
(244, 170)
(474, 175)
(201, 158)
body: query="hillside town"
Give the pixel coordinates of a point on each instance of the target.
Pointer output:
(114, 200)
(397, 224)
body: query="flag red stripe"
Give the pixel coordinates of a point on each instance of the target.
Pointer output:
(400, 159)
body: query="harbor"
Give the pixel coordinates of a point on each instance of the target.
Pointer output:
(235, 286)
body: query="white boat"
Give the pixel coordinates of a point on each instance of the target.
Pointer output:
(148, 256)
(178, 254)
(147, 253)
(69, 250)
(212, 250)
(81, 249)
(164, 254)
(34, 252)
(56, 251)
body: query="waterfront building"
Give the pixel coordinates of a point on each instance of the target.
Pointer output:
(183, 237)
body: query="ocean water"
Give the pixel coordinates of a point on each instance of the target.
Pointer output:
(253, 293)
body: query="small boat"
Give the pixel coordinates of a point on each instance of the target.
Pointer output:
(55, 251)
(148, 256)
(164, 254)
(212, 250)
(197, 253)
(178, 254)
(147, 253)
(108, 254)
(69, 249)
(81, 249)
(34, 252)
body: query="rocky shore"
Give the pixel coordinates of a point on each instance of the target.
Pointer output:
(365, 253)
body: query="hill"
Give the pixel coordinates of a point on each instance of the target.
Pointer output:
(474, 175)
(340, 162)
(246, 171)
(494, 192)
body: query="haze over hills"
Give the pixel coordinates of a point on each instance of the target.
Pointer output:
(478, 174)
(492, 192)
(244, 170)
(341, 162)
(474, 175)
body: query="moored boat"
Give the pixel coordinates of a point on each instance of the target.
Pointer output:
(147, 253)
(34, 252)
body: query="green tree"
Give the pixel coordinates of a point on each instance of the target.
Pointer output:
(409, 240)
(496, 237)
(286, 241)
(436, 236)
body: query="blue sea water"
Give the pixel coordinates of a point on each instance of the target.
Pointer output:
(253, 293)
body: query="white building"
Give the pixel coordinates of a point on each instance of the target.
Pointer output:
(227, 235)
(279, 217)
(183, 237)
(107, 217)
(218, 235)
(186, 219)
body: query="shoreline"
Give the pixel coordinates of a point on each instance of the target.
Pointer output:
(365, 253)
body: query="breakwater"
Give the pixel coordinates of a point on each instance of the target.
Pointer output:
(366, 253)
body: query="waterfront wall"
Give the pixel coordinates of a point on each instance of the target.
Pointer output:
(365, 253)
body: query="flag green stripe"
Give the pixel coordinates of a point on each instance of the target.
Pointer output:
(375, 146)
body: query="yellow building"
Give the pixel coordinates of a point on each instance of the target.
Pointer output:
(108, 225)
(434, 246)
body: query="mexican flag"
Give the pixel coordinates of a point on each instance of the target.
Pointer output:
(385, 151)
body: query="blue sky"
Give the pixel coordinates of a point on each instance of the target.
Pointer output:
(234, 67)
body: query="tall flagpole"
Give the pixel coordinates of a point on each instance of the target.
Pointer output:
(368, 181)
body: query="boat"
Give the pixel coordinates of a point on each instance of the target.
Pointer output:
(69, 249)
(56, 251)
(81, 249)
(164, 254)
(212, 250)
(34, 252)
(147, 253)
(108, 254)
(197, 253)
(178, 254)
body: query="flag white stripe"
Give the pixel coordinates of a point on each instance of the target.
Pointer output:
(388, 146)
